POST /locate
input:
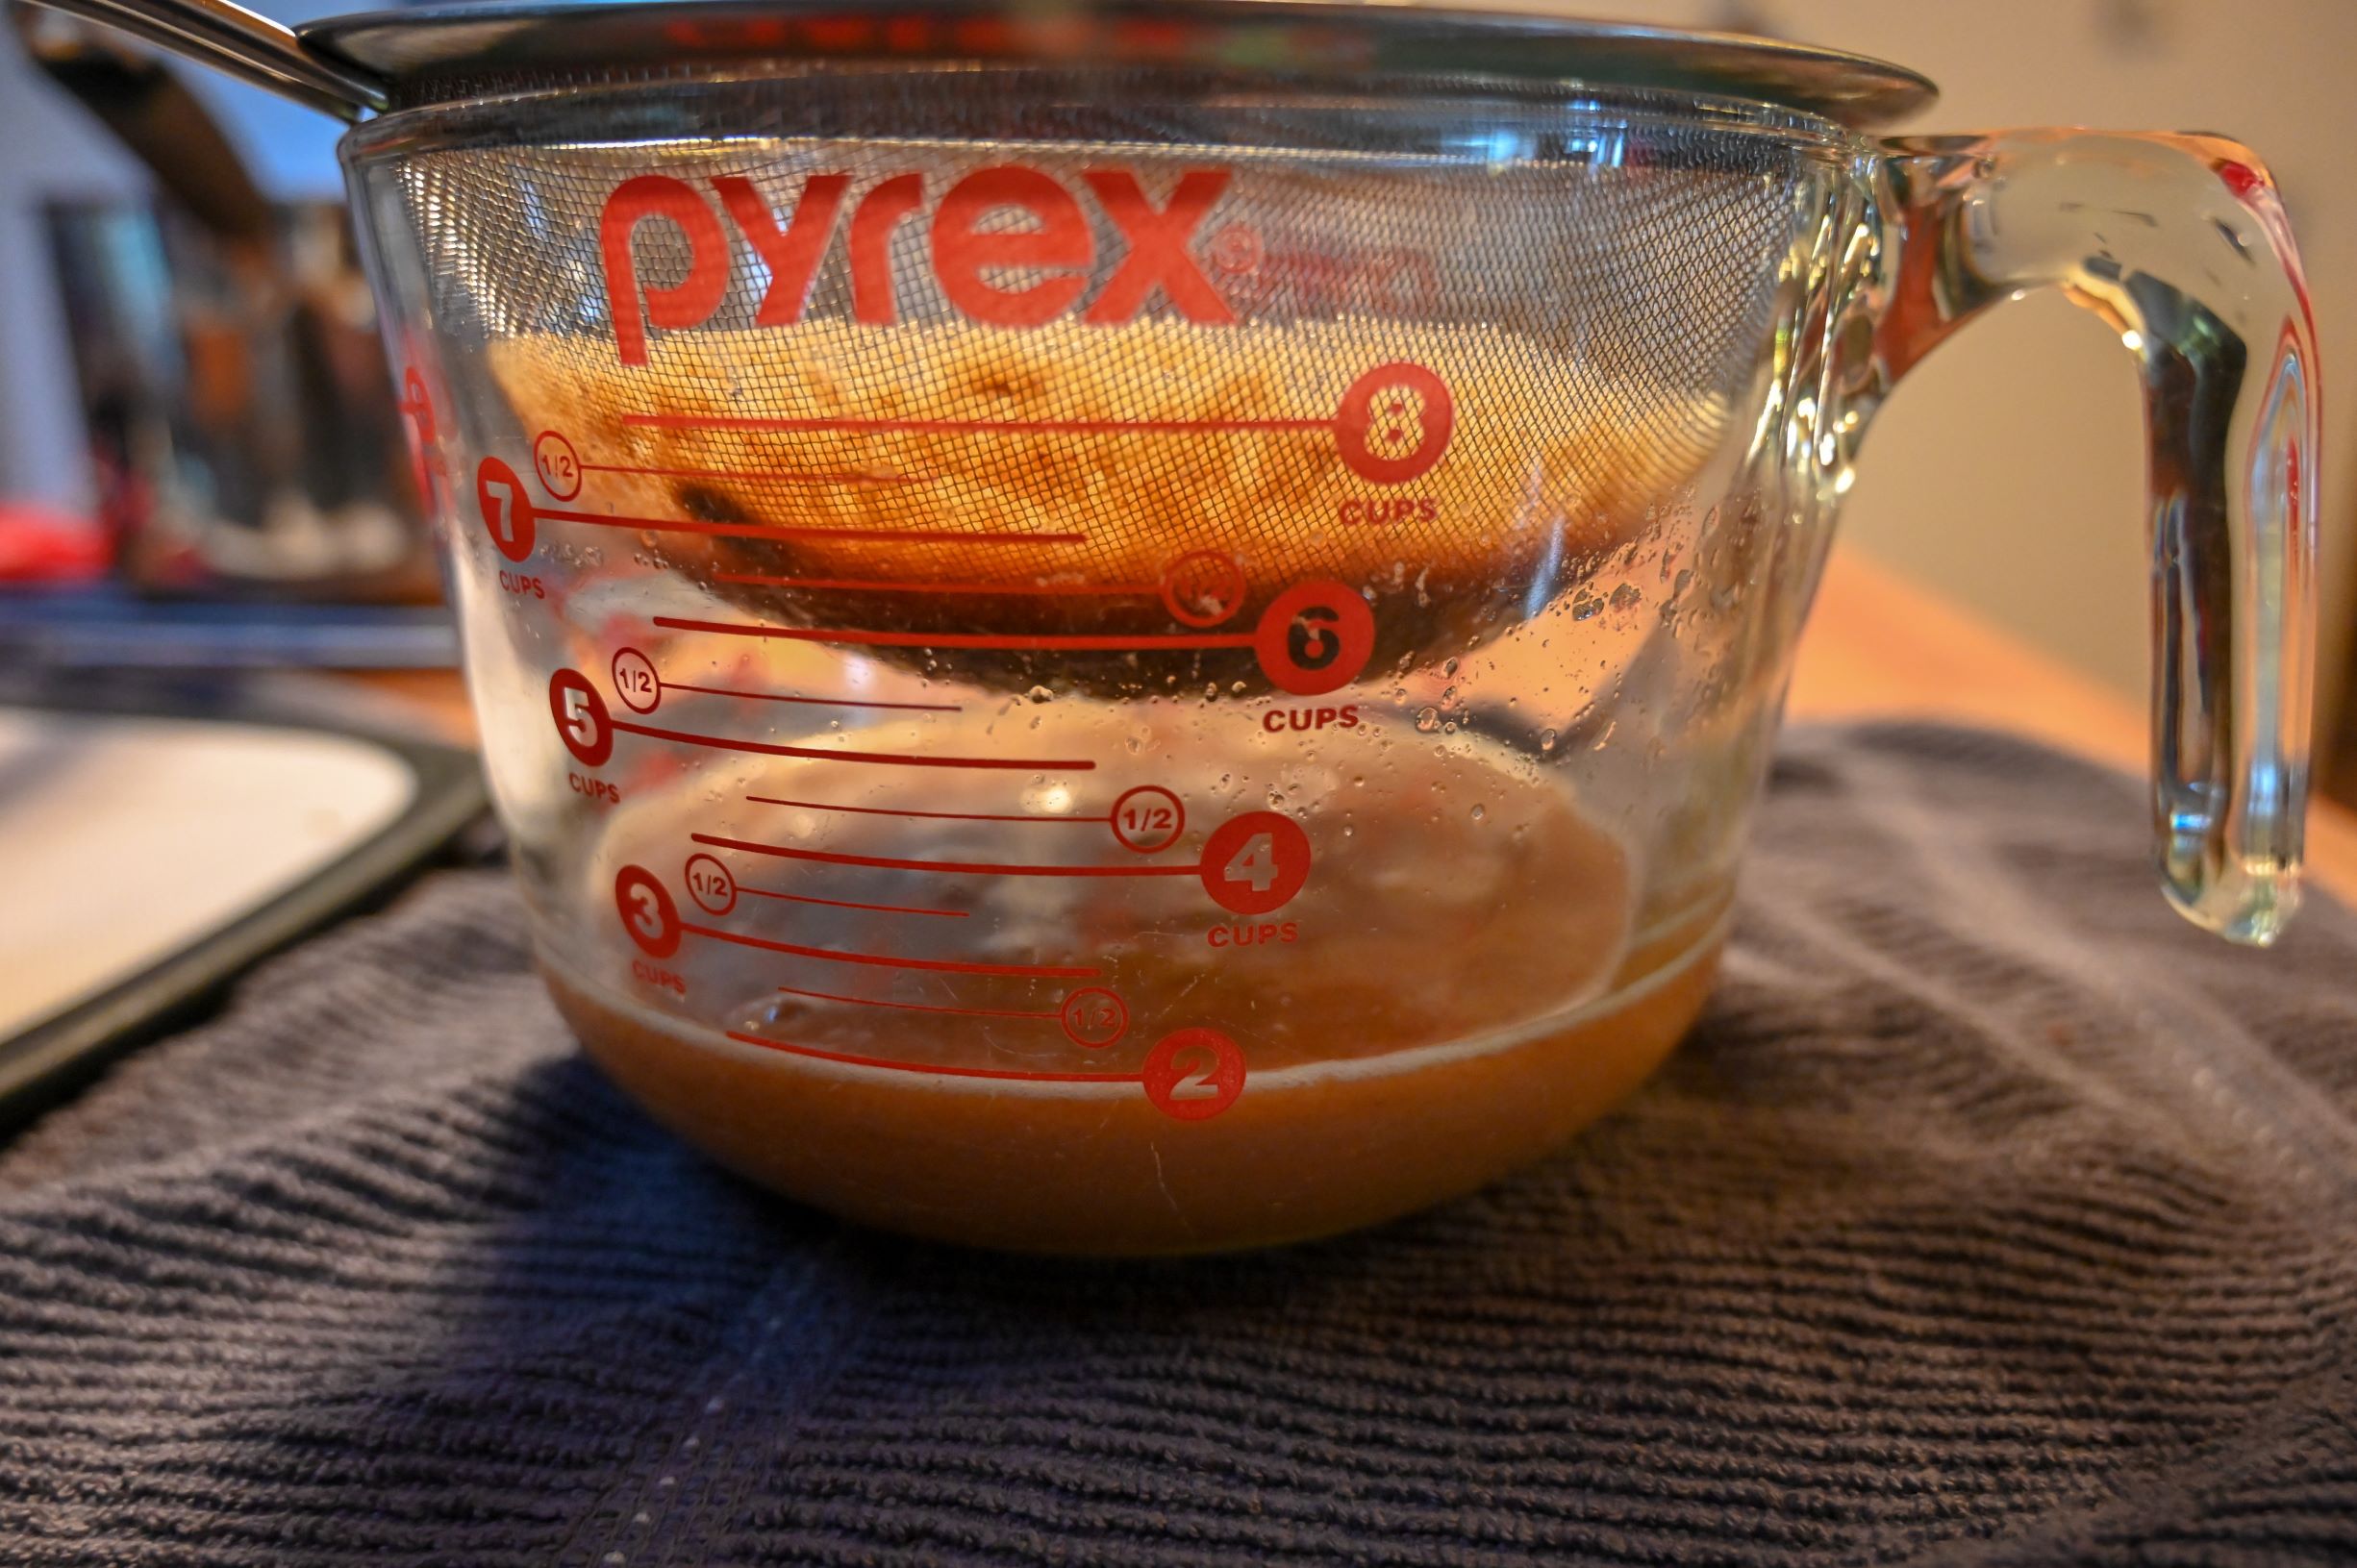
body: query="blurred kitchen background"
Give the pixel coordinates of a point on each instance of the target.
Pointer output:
(2006, 474)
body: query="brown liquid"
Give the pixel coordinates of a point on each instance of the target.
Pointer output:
(1454, 989)
(1054, 1171)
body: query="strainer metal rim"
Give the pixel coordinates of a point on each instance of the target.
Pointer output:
(437, 54)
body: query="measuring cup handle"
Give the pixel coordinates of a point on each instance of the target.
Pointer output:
(2181, 245)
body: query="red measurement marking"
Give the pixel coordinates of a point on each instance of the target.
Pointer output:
(780, 530)
(1094, 1017)
(887, 961)
(847, 904)
(710, 883)
(507, 513)
(1394, 423)
(1006, 1073)
(1256, 862)
(819, 754)
(943, 816)
(978, 868)
(559, 466)
(817, 701)
(648, 911)
(916, 1007)
(1194, 1075)
(959, 639)
(1315, 637)
(763, 476)
(636, 682)
(583, 722)
(973, 427)
(858, 584)
(1202, 587)
(1148, 819)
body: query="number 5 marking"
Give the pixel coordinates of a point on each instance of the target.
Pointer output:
(581, 721)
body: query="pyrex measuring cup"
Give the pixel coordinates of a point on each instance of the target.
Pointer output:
(1141, 630)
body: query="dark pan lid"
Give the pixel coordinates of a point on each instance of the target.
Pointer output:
(442, 53)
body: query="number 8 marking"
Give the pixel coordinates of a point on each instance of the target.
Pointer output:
(1394, 423)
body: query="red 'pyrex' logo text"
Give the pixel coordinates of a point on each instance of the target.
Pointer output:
(1057, 248)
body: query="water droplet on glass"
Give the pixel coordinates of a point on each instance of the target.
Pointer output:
(1427, 719)
(1479, 812)
(1448, 667)
(1547, 739)
(1627, 597)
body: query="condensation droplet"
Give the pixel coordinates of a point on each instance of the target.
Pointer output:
(1427, 719)
(1547, 739)
(1041, 694)
(1479, 812)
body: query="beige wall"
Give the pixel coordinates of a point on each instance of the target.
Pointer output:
(2008, 469)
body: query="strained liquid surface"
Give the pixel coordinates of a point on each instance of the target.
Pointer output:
(936, 997)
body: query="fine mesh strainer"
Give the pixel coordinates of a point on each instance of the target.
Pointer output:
(1106, 626)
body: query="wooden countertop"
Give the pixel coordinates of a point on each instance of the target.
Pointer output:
(1880, 645)
(1877, 645)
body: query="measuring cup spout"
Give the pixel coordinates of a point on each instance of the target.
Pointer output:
(233, 39)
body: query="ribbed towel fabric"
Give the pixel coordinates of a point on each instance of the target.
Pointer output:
(1992, 1216)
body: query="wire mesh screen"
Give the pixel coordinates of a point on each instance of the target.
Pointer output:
(1078, 342)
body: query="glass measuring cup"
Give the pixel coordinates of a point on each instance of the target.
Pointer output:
(1100, 639)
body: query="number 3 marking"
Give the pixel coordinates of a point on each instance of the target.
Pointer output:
(648, 911)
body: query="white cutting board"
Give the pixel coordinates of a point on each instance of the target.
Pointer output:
(122, 839)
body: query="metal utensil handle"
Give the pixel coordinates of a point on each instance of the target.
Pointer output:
(236, 41)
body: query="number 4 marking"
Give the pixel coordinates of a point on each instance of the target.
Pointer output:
(1256, 864)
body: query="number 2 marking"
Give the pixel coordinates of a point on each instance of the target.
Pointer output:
(1194, 1075)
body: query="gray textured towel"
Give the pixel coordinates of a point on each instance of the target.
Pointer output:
(1991, 1217)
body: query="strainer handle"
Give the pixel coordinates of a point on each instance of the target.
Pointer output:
(236, 41)
(2180, 243)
